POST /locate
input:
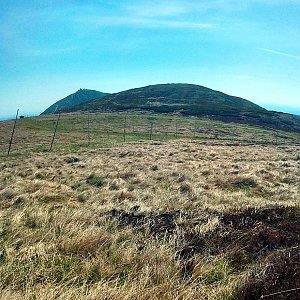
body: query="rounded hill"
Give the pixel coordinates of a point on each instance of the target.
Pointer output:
(185, 98)
(194, 100)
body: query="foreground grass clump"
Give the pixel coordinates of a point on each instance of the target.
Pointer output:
(278, 276)
(176, 220)
(95, 180)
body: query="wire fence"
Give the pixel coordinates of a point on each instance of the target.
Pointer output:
(72, 131)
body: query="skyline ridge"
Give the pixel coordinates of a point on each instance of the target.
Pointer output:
(270, 107)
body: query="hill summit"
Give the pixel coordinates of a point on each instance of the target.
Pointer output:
(189, 99)
(185, 98)
(81, 96)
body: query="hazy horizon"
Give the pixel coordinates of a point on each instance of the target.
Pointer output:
(48, 50)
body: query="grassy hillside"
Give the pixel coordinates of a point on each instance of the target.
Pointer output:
(107, 129)
(81, 96)
(188, 99)
(186, 208)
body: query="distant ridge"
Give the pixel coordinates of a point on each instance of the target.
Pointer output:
(185, 98)
(81, 96)
(194, 100)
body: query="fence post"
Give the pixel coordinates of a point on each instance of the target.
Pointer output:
(276, 137)
(166, 133)
(54, 134)
(151, 130)
(88, 125)
(176, 129)
(12, 134)
(124, 132)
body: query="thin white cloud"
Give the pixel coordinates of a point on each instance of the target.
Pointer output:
(281, 53)
(47, 52)
(172, 8)
(157, 8)
(144, 23)
(14, 42)
(175, 8)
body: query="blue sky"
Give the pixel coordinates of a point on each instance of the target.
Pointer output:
(49, 49)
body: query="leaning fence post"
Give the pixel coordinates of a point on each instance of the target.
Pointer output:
(13, 132)
(124, 132)
(58, 118)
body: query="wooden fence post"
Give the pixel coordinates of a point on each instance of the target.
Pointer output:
(124, 131)
(12, 134)
(54, 134)
(151, 130)
(166, 133)
(88, 128)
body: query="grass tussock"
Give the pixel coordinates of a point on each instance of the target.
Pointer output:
(276, 277)
(97, 181)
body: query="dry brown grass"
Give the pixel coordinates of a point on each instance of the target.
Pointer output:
(149, 220)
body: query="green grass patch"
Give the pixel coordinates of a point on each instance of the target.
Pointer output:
(97, 181)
